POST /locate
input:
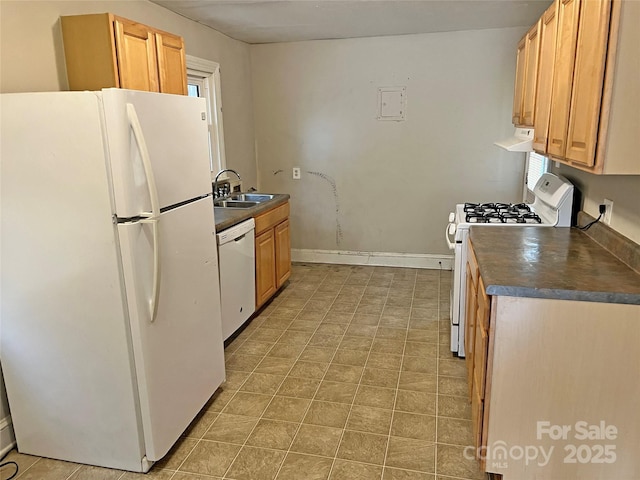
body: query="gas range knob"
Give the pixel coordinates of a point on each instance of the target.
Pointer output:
(452, 217)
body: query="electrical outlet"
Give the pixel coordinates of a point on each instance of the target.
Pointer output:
(296, 173)
(606, 219)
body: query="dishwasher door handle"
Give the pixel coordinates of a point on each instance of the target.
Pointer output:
(240, 238)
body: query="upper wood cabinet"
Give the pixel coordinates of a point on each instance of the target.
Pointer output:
(532, 48)
(171, 59)
(548, 26)
(587, 114)
(135, 55)
(526, 78)
(568, 11)
(521, 66)
(103, 50)
(588, 78)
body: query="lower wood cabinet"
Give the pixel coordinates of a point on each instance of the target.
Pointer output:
(545, 361)
(283, 252)
(273, 252)
(476, 348)
(265, 266)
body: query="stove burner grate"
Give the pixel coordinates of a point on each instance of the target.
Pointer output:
(500, 213)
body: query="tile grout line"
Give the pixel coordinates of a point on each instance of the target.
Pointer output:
(435, 450)
(199, 440)
(284, 379)
(288, 295)
(319, 383)
(273, 396)
(322, 379)
(27, 469)
(360, 381)
(397, 389)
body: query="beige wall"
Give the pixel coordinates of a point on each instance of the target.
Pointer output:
(623, 190)
(388, 186)
(32, 59)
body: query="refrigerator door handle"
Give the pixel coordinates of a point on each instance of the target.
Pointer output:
(156, 266)
(154, 217)
(146, 161)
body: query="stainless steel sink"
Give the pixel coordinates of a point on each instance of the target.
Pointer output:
(251, 197)
(234, 204)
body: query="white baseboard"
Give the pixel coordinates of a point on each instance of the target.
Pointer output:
(7, 438)
(380, 259)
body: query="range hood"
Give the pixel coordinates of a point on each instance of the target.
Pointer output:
(522, 141)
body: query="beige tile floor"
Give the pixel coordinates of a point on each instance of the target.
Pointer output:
(345, 375)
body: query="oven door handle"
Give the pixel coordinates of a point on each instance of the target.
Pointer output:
(451, 230)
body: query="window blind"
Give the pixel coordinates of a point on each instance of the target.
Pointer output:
(536, 166)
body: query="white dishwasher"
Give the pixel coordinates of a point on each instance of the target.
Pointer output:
(237, 275)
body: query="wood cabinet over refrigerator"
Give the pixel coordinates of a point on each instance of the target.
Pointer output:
(588, 92)
(103, 50)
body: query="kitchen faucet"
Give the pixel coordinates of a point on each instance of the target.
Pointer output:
(215, 181)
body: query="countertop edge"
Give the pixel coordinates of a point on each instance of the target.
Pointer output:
(594, 273)
(557, 294)
(233, 216)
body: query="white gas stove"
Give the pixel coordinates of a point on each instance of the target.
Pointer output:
(552, 207)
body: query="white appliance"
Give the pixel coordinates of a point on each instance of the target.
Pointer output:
(111, 335)
(521, 141)
(552, 207)
(237, 275)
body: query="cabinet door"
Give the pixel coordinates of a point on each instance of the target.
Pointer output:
(521, 65)
(265, 266)
(477, 414)
(283, 253)
(588, 77)
(567, 35)
(481, 339)
(172, 65)
(470, 326)
(135, 51)
(548, 26)
(532, 41)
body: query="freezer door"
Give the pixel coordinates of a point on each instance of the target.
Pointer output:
(174, 129)
(179, 353)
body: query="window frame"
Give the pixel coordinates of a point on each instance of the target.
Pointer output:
(208, 73)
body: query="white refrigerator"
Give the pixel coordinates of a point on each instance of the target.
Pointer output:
(110, 333)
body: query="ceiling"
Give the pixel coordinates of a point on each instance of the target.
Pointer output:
(269, 21)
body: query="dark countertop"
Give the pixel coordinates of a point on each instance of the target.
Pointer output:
(228, 217)
(560, 263)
